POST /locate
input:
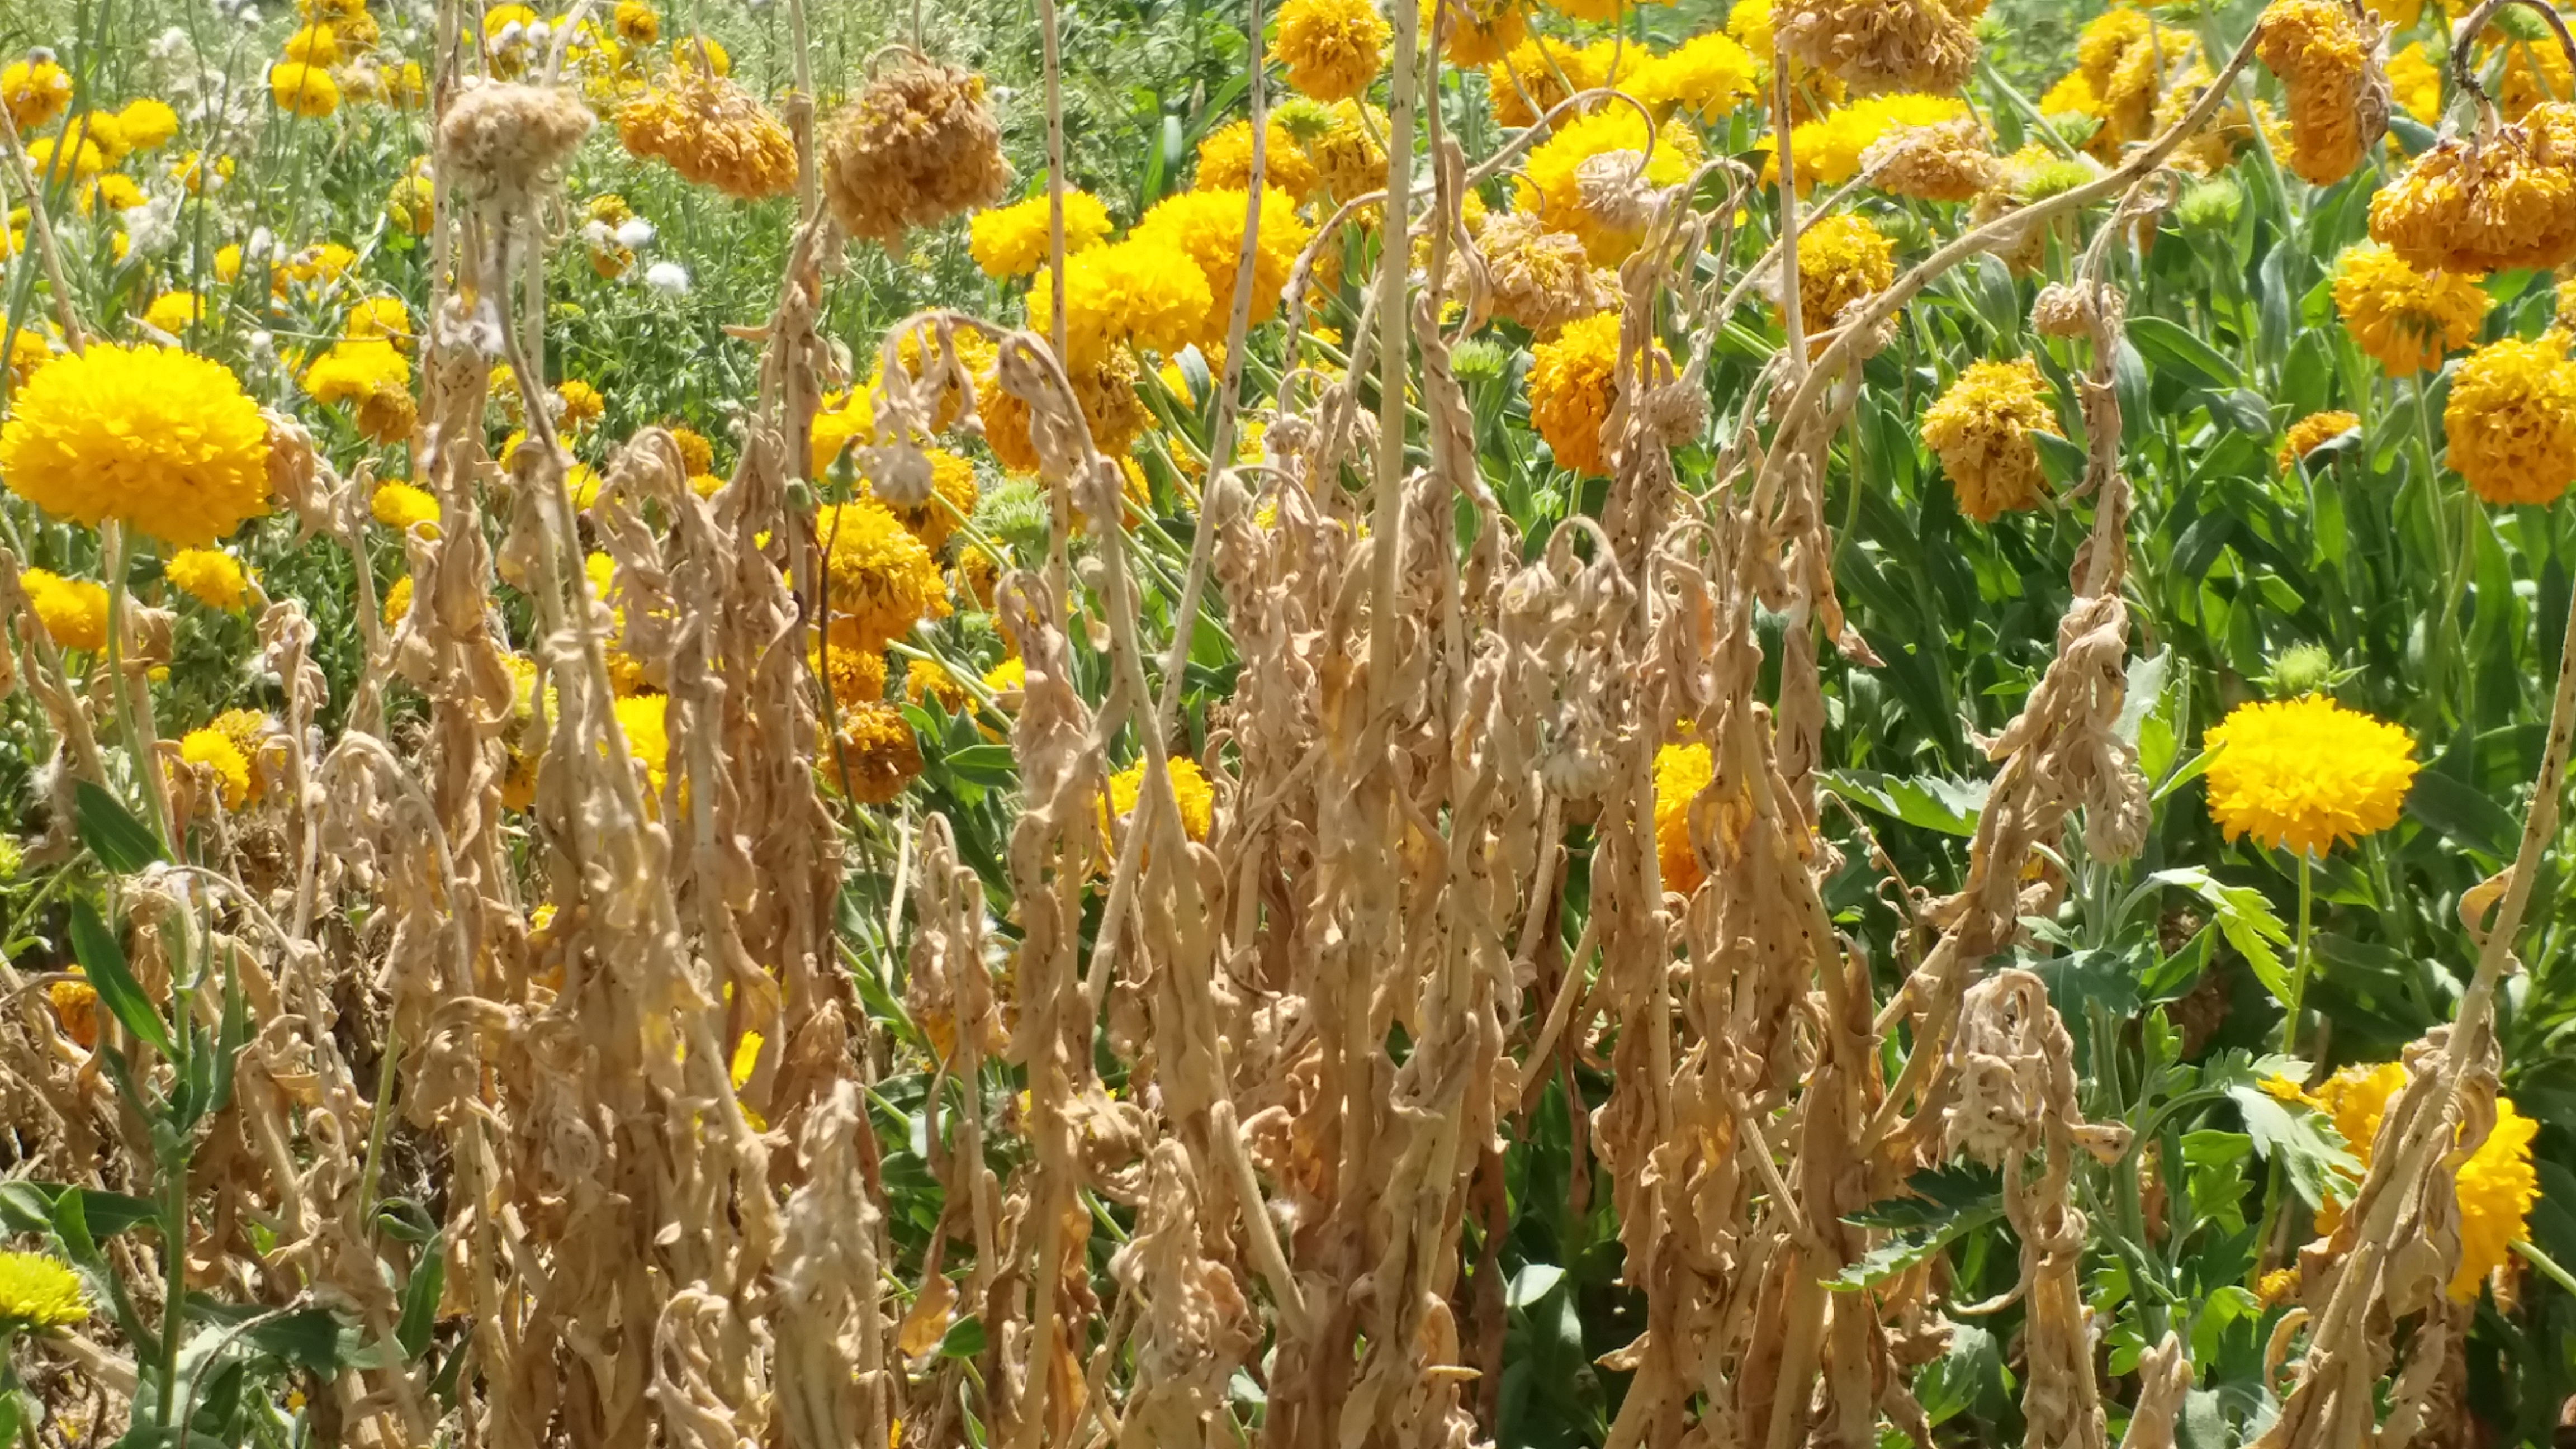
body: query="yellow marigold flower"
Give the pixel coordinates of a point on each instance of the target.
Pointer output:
(1572, 383)
(2302, 774)
(2321, 50)
(1332, 48)
(1702, 78)
(51, 162)
(1225, 164)
(175, 312)
(582, 404)
(1749, 21)
(2313, 432)
(952, 480)
(2403, 319)
(2416, 84)
(321, 262)
(918, 146)
(2277, 1285)
(218, 754)
(2122, 56)
(1681, 772)
(1981, 428)
(34, 92)
(1011, 241)
(645, 721)
(1207, 227)
(702, 50)
(209, 576)
(148, 124)
(314, 45)
(397, 603)
(191, 173)
(1563, 182)
(877, 574)
(113, 191)
(1106, 393)
(1827, 150)
(2497, 1187)
(2400, 14)
(76, 1004)
(73, 611)
(153, 437)
(402, 507)
(712, 132)
(302, 88)
(1190, 790)
(842, 419)
(249, 731)
(2533, 71)
(2511, 421)
(1346, 156)
(1006, 680)
(924, 679)
(697, 455)
(2501, 201)
(356, 368)
(37, 1291)
(31, 349)
(1143, 290)
(873, 757)
(1524, 84)
(102, 130)
(1841, 260)
(1480, 31)
(636, 24)
(384, 317)
(854, 670)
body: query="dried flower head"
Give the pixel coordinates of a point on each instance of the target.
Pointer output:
(1944, 162)
(1332, 48)
(1981, 428)
(1540, 279)
(2324, 51)
(1878, 45)
(158, 439)
(2511, 421)
(952, 483)
(2500, 200)
(1828, 150)
(502, 142)
(873, 756)
(918, 146)
(1554, 187)
(712, 132)
(2303, 774)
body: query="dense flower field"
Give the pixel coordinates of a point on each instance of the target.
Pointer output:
(1802, 723)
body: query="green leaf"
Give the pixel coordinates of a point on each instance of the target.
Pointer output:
(420, 1298)
(1904, 1250)
(1941, 1205)
(964, 1338)
(990, 766)
(1533, 1282)
(1929, 801)
(103, 960)
(2463, 816)
(122, 843)
(28, 1205)
(309, 1338)
(2061, 460)
(2173, 349)
(2245, 918)
(2304, 1139)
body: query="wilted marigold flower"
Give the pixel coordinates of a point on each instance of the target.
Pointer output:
(158, 439)
(1879, 45)
(1564, 174)
(209, 576)
(2511, 421)
(38, 1292)
(1190, 791)
(1945, 162)
(877, 574)
(402, 507)
(2323, 52)
(1540, 279)
(917, 147)
(2501, 200)
(2313, 432)
(1981, 428)
(1207, 227)
(2403, 319)
(73, 611)
(1827, 150)
(34, 91)
(1332, 48)
(712, 132)
(1573, 381)
(1143, 290)
(219, 755)
(302, 88)
(1681, 772)
(1841, 260)
(1225, 164)
(1012, 241)
(952, 481)
(2303, 774)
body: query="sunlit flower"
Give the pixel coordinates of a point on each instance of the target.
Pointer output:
(877, 574)
(1143, 290)
(402, 507)
(384, 317)
(2499, 201)
(712, 132)
(636, 24)
(1332, 48)
(73, 611)
(952, 484)
(2313, 432)
(209, 576)
(2497, 1187)
(1573, 381)
(2416, 84)
(1012, 241)
(1480, 31)
(1583, 179)
(39, 1292)
(855, 672)
(2321, 50)
(1981, 429)
(314, 45)
(645, 721)
(1703, 78)
(397, 605)
(1347, 157)
(1190, 790)
(223, 759)
(302, 88)
(1827, 150)
(1105, 392)
(158, 439)
(75, 1002)
(1207, 227)
(1681, 772)
(2511, 421)
(148, 123)
(354, 368)
(2303, 774)
(52, 159)
(873, 756)
(34, 91)
(1841, 260)
(1524, 84)
(924, 679)
(1225, 164)
(2403, 319)
(175, 312)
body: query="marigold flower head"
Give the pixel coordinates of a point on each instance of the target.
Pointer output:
(148, 124)
(75, 1002)
(1190, 790)
(1332, 48)
(37, 1291)
(2313, 432)
(397, 605)
(1207, 227)
(1841, 260)
(314, 45)
(1681, 772)
(581, 404)
(840, 420)
(354, 369)
(1524, 83)
(1105, 392)
(2501, 200)
(1012, 241)
(873, 757)
(1562, 181)
(2401, 318)
(54, 157)
(1480, 31)
(918, 146)
(2511, 421)
(1879, 45)
(192, 175)
(209, 576)
(2497, 1187)
(645, 721)
(1944, 162)
(34, 91)
(384, 317)
(1702, 79)
(1981, 428)
(2416, 84)
(1573, 380)
(2338, 99)
(1346, 153)
(877, 574)
(1143, 290)
(952, 481)
(636, 24)
(302, 88)
(2532, 71)
(924, 679)
(712, 132)
(1225, 162)
(1827, 150)
(507, 143)
(175, 312)
(2303, 774)
(1540, 279)
(103, 130)
(156, 438)
(855, 673)
(73, 611)
(223, 759)
(2121, 58)
(402, 507)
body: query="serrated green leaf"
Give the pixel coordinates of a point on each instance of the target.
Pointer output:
(1948, 806)
(2245, 918)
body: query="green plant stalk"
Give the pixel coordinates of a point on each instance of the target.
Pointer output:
(120, 557)
(2299, 960)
